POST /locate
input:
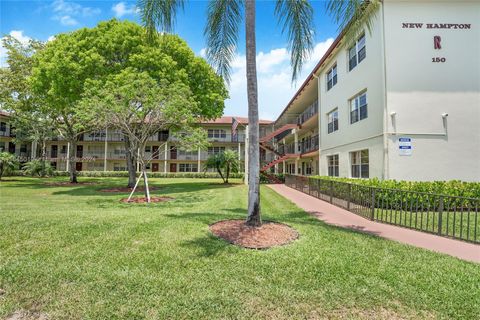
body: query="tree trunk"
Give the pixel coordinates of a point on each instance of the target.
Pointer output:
(71, 161)
(253, 218)
(227, 173)
(220, 173)
(44, 157)
(131, 159)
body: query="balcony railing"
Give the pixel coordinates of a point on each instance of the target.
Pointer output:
(308, 145)
(308, 113)
(3, 134)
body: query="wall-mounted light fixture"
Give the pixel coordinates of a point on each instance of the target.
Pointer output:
(444, 115)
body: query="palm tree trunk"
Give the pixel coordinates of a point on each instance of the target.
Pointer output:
(253, 218)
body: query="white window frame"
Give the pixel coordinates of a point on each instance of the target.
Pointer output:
(357, 53)
(358, 111)
(217, 133)
(334, 169)
(331, 117)
(188, 167)
(332, 76)
(358, 167)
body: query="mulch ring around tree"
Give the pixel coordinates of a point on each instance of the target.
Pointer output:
(269, 234)
(153, 199)
(126, 189)
(63, 184)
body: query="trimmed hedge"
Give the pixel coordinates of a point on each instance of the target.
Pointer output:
(150, 174)
(454, 188)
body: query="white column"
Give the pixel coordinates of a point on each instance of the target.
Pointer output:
(284, 166)
(33, 152)
(68, 155)
(296, 166)
(199, 169)
(105, 152)
(295, 136)
(165, 158)
(246, 155)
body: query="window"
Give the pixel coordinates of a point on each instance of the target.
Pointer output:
(215, 150)
(332, 77)
(359, 161)
(333, 121)
(356, 53)
(188, 167)
(148, 148)
(23, 148)
(3, 126)
(358, 108)
(333, 165)
(216, 133)
(2, 146)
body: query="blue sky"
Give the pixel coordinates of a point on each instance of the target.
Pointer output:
(44, 19)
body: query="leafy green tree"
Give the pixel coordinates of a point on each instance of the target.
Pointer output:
(141, 106)
(17, 97)
(224, 163)
(8, 163)
(73, 60)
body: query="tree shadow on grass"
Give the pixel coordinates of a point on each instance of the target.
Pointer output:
(207, 246)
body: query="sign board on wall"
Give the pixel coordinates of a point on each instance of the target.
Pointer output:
(405, 146)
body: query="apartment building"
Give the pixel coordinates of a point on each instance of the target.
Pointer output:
(104, 150)
(402, 102)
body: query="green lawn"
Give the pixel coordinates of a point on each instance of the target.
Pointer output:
(76, 253)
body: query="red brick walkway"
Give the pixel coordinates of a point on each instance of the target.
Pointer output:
(339, 217)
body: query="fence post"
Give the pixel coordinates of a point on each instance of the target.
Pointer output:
(349, 196)
(331, 191)
(372, 213)
(440, 214)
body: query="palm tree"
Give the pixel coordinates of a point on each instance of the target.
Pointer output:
(215, 162)
(230, 163)
(221, 31)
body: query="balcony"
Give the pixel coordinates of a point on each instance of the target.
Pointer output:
(309, 145)
(227, 137)
(3, 134)
(311, 111)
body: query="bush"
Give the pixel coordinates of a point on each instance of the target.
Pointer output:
(421, 194)
(38, 168)
(150, 174)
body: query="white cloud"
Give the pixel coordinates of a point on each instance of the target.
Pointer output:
(275, 88)
(51, 38)
(67, 20)
(203, 52)
(68, 13)
(17, 34)
(121, 9)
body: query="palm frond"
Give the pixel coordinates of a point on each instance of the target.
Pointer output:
(296, 17)
(159, 14)
(223, 21)
(352, 16)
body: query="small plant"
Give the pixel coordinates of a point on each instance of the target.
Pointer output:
(8, 163)
(38, 168)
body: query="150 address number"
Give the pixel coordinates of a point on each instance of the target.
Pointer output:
(438, 59)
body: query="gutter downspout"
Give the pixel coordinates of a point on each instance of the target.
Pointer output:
(319, 121)
(386, 161)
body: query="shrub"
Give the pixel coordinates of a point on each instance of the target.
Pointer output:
(421, 194)
(150, 174)
(38, 168)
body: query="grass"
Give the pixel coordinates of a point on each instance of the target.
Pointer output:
(76, 253)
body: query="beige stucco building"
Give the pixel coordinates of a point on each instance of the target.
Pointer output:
(403, 102)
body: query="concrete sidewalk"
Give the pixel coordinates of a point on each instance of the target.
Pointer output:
(340, 217)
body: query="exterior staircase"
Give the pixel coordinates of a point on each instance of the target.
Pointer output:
(274, 162)
(271, 135)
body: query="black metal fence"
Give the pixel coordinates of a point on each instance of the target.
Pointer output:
(448, 216)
